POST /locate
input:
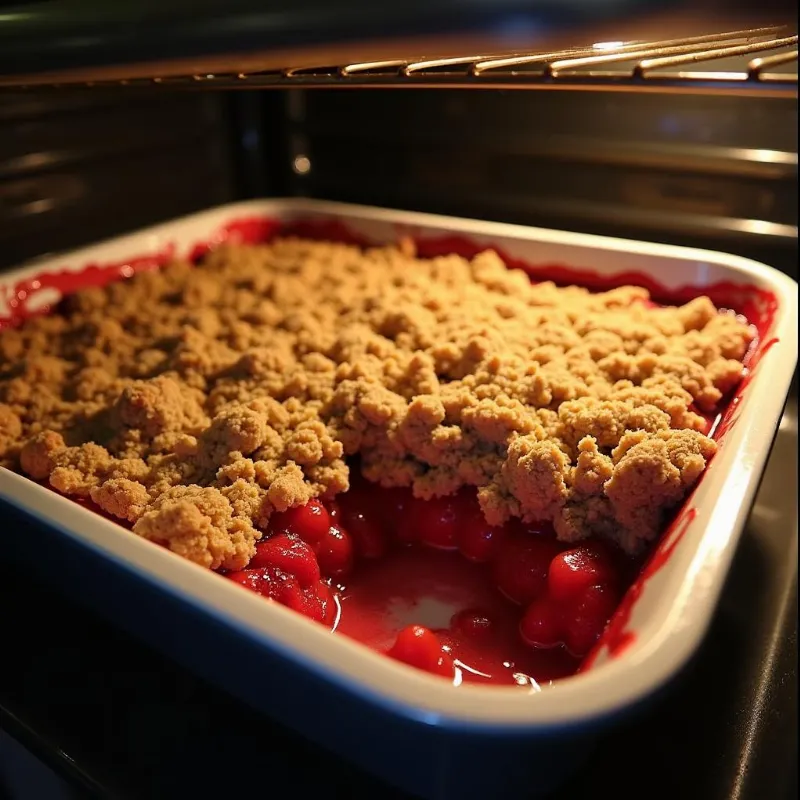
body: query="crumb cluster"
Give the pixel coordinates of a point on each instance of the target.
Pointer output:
(193, 401)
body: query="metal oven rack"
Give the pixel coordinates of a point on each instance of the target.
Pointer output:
(761, 59)
(765, 59)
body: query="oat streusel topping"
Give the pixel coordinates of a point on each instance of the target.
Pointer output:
(195, 400)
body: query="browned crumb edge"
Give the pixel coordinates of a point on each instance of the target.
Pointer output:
(194, 401)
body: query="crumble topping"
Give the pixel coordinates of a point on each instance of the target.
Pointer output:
(193, 401)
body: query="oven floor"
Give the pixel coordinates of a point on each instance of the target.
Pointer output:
(114, 719)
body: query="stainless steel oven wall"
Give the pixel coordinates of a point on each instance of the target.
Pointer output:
(712, 170)
(78, 166)
(716, 171)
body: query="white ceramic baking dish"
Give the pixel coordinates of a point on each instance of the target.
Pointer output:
(335, 690)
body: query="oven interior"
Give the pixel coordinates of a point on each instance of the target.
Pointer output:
(681, 130)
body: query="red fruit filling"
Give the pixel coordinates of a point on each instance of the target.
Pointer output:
(421, 648)
(435, 522)
(573, 571)
(521, 566)
(310, 522)
(582, 593)
(335, 554)
(477, 540)
(315, 601)
(542, 624)
(587, 617)
(431, 584)
(396, 506)
(290, 554)
(364, 525)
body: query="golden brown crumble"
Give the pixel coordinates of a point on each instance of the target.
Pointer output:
(193, 401)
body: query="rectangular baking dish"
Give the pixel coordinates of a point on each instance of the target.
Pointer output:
(412, 729)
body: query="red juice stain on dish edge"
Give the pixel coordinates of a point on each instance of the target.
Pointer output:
(246, 230)
(756, 304)
(730, 416)
(617, 636)
(330, 230)
(22, 299)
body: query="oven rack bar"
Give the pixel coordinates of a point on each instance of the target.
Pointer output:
(763, 59)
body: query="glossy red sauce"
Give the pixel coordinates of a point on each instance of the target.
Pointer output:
(417, 585)
(431, 584)
(442, 590)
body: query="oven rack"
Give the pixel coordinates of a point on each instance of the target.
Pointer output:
(763, 59)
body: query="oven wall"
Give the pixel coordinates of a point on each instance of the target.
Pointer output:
(79, 166)
(717, 172)
(710, 171)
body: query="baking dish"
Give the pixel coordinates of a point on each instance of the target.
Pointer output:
(411, 728)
